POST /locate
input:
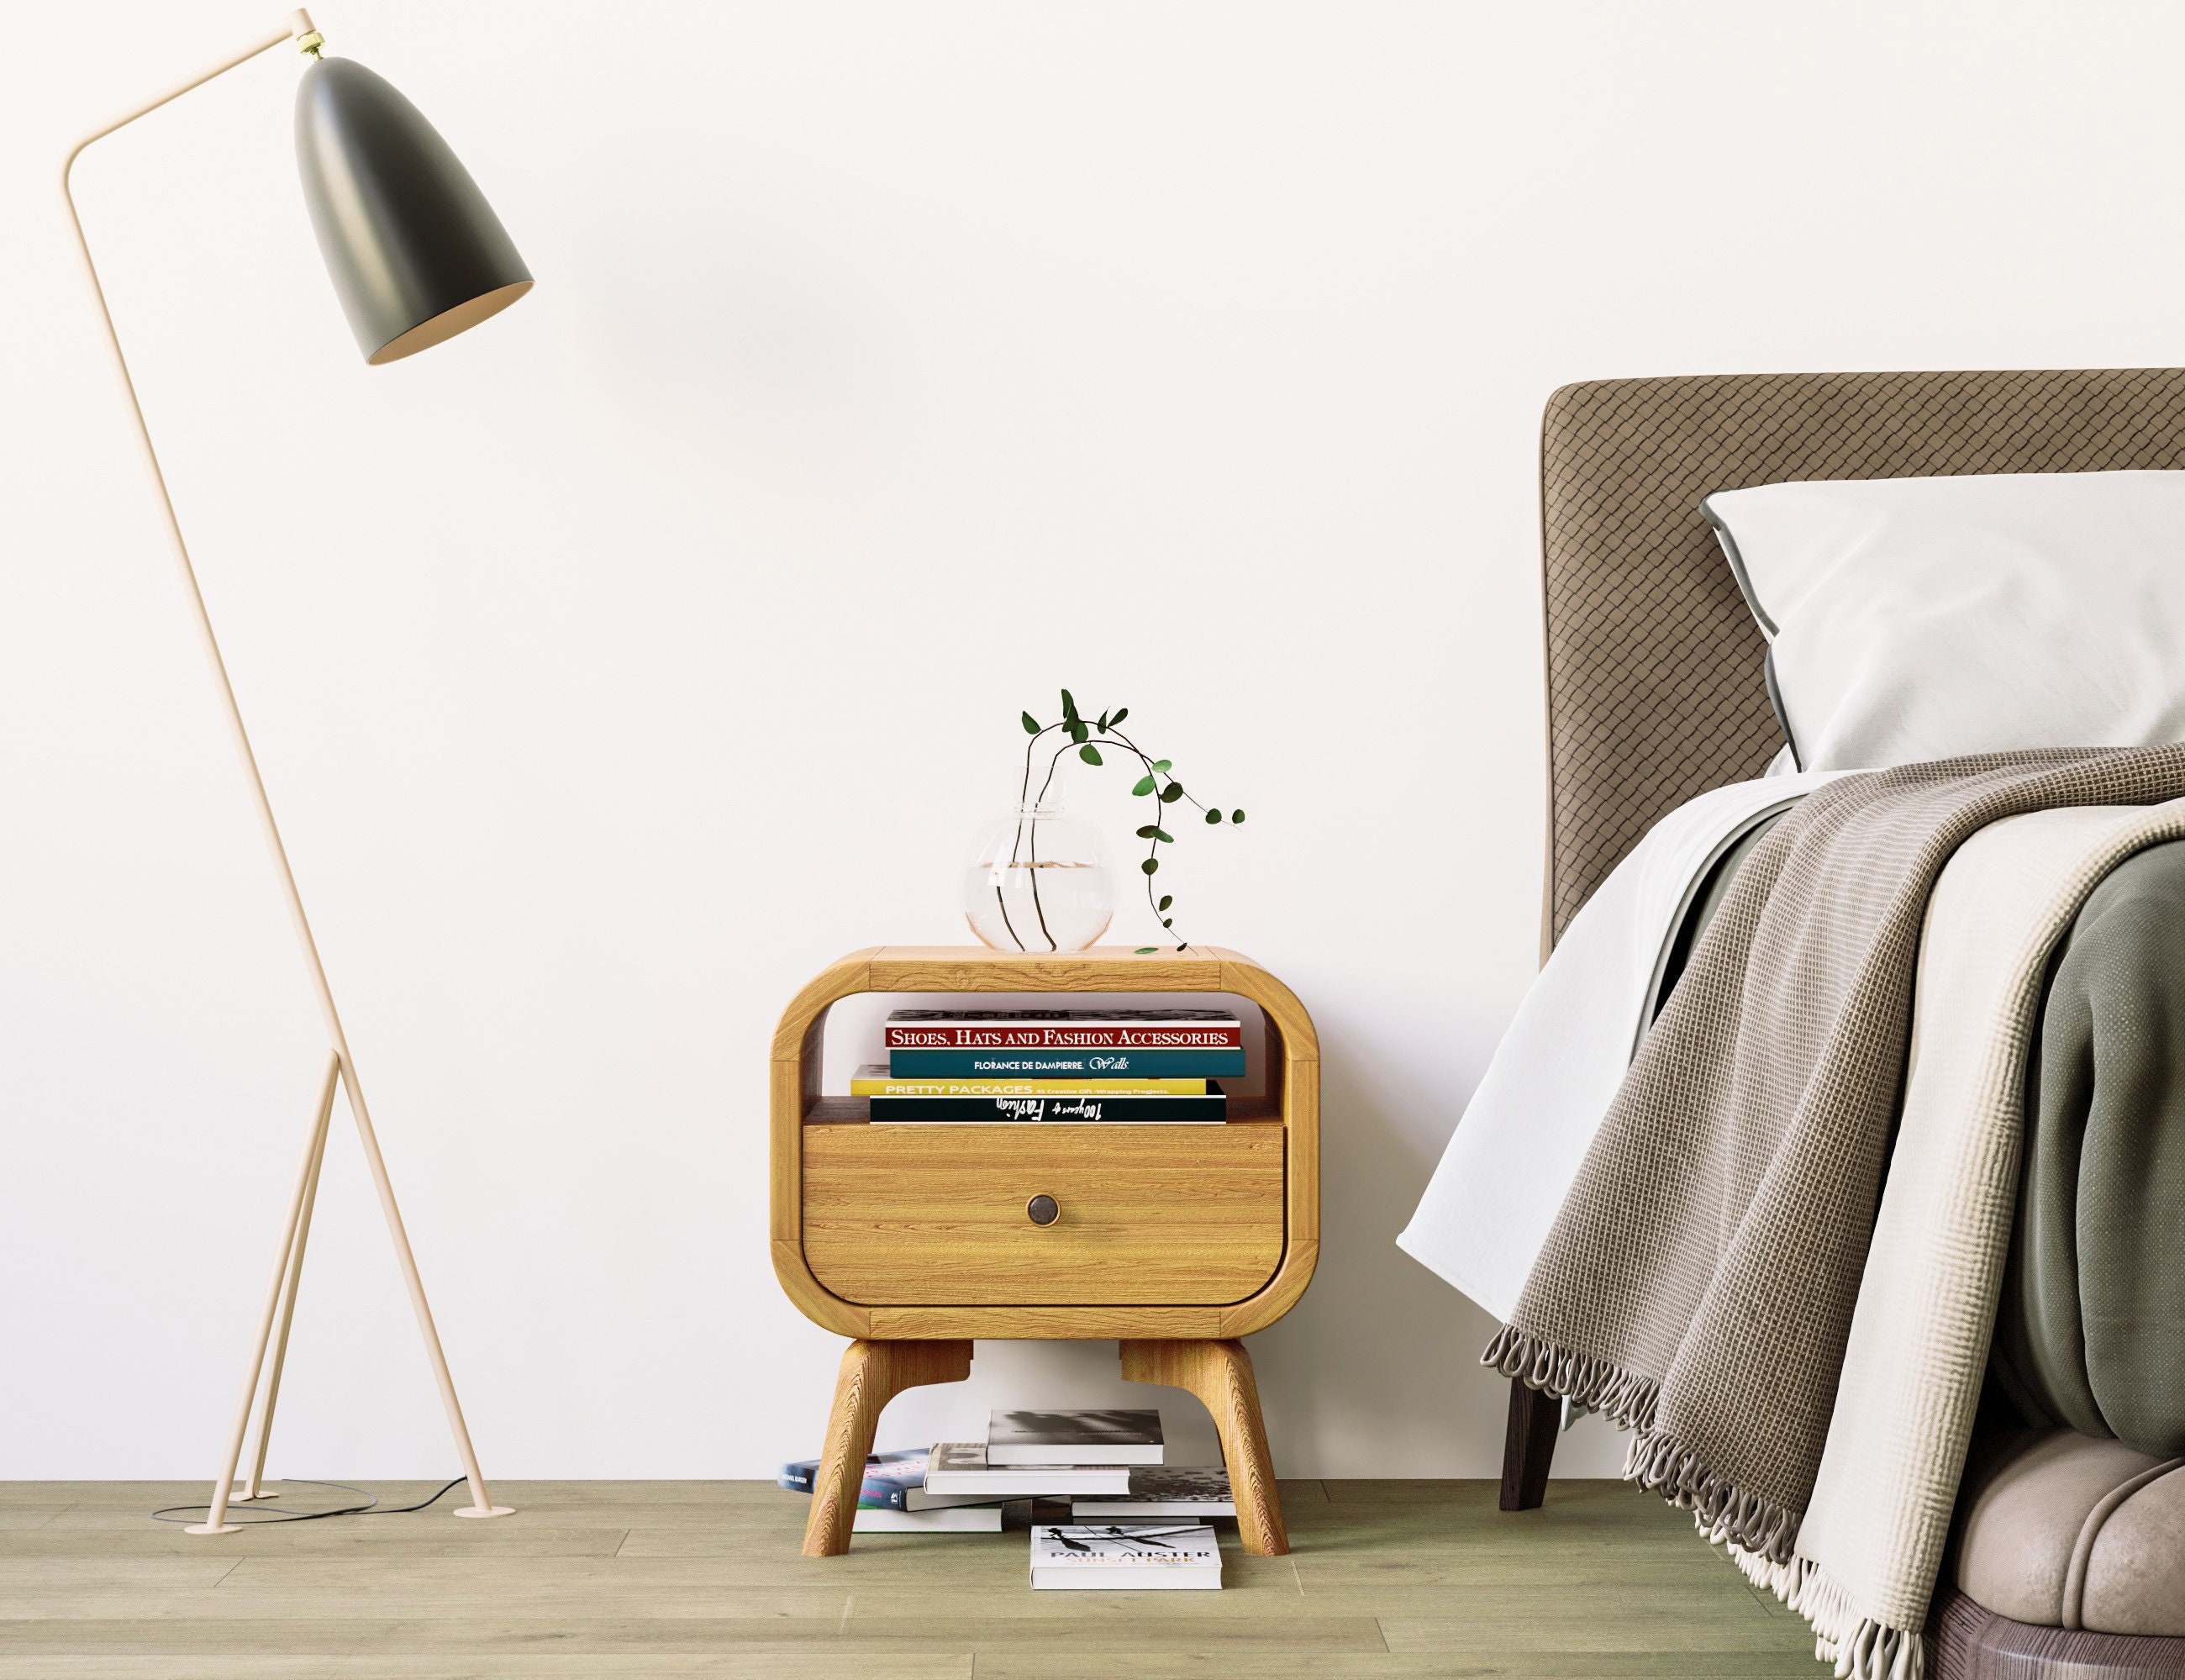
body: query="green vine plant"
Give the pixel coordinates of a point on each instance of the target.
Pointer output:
(1157, 783)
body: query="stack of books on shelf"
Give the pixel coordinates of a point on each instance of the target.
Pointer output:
(1055, 1065)
(1108, 1463)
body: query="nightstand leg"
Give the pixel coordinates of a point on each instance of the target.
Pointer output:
(1220, 1373)
(873, 1374)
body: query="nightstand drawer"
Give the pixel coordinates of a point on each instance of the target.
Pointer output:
(914, 1215)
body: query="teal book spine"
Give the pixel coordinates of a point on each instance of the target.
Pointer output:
(1083, 1064)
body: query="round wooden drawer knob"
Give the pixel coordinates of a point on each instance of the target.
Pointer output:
(1042, 1210)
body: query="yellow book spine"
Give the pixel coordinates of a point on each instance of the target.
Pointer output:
(865, 1085)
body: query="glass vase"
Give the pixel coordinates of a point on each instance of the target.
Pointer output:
(1038, 880)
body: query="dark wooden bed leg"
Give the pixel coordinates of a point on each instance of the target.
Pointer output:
(1529, 1447)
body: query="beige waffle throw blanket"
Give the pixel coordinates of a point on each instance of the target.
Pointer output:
(1699, 1283)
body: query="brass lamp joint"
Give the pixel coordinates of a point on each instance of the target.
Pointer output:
(308, 39)
(310, 43)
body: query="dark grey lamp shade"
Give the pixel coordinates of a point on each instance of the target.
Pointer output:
(417, 254)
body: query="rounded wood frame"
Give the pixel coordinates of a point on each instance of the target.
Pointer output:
(1293, 1085)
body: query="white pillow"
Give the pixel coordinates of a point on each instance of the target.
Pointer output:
(1910, 619)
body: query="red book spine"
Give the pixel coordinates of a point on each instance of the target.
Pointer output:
(1212, 1036)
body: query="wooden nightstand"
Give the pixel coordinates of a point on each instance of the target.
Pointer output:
(1174, 1240)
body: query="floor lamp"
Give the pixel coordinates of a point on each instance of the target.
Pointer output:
(416, 256)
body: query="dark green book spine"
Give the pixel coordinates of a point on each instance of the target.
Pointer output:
(1100, 1108)
(1063, 1064)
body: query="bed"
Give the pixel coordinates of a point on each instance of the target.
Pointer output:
(1655, 696)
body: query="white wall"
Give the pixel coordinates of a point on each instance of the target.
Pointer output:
(619, 664)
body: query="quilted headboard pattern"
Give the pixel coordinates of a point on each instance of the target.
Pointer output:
(1655, 686)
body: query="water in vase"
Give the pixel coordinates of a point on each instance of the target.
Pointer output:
(1038, 883)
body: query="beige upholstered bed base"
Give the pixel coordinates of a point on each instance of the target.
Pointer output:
(1654, 685)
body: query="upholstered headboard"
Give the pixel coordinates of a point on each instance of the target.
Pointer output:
(1655, 686)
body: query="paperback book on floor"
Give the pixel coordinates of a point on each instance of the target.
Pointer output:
(893, 1481)
(1125, 1557)
(1163, 1490)
(961, 1467)
(979, 1519)
(1103, 1437)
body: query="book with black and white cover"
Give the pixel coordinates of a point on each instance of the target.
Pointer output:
(979, 1519)
(1163, 1490)
(1097, 1107)
(893, 1481)
(961, 1467)
(1113, 1437)
(1063, 1030)
(1125, 1557)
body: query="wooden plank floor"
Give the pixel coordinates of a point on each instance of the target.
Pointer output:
(1394, 1579)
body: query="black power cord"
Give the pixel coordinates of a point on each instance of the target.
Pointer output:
(249, 1519)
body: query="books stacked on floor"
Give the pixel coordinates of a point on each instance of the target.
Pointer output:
(961, 1486)
(1090, 1455)
(1125, 1557)
(895, 1499)
(1131, 1066)
(1105, 1463)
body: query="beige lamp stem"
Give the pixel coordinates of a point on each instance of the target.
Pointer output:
(288, 1270)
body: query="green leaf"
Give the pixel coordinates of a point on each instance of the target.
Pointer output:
(1150, 832)
(1121, 713)
(1091, 755)
(1150, 864)
(1213, 816)
(1145, 950)
(1171, 793)
(1103, 724)
(1163, 835)
(1236, 815)
(1163, 766)
(1166, 901)
(1030, 723)
(1078, 732)
(1068, 706)
(1144, 784)
(1168, 921)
